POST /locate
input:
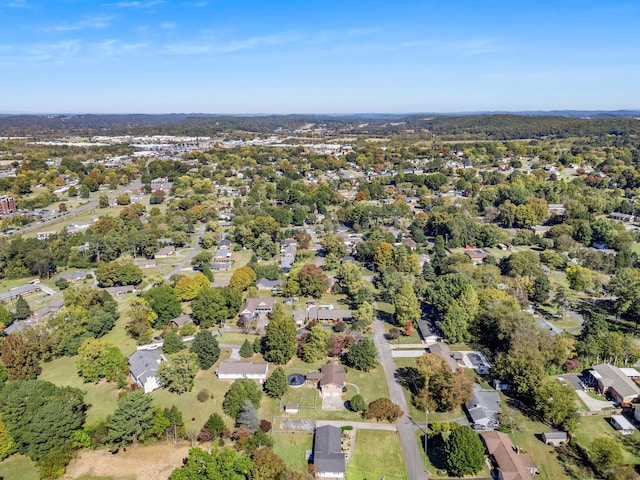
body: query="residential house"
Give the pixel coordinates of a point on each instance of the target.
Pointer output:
(225, 243)
(554, 438)
(557, 208)
(613, 381)
(121, 290)
(143, 365)
(15, 292)
(477, 255)
(410, 244)
(181, 321)
(624, 426)
(73, 277)
(287, 243)
(288, 258)
(428, 332)
(45, 235)
(145, 262)
(327, 452)
(264, 284)
(254, 307)
(222, 255)
(443, 350)
(331, 380)
(234, 370)
(504, 455)
(48, 311)
(220, 266)
(165, 252)
(483, 408)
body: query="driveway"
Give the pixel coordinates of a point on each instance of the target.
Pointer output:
(593, 404)
(333, 403)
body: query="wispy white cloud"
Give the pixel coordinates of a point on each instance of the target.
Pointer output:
(209, 46)
(137, 4)
(85, 23)
(167, 25)
(113, 47)
(195, 4)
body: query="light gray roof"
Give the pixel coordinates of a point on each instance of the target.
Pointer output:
(327, 450)
(613, 377)
(268, 284)
(242, 368)
(68, 275)
(555, 435)
(144, 364)
(484, 404)
(21, 290)
(182, 320)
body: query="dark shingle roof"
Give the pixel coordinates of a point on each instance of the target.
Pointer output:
(327, 450)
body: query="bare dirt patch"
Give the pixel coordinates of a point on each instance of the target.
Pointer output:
(144, 462)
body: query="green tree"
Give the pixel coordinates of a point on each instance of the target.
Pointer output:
(606, 453)
(279, 342)
(131, 420)
(141, 317)
(209, 307)
(333, 244)
(176, 424)
(19, 358)
(455, 323)
(172, 343)
(243, 278)
(215, 425)
(246, 350)
(363, 317)
(555, 401)
(220, 464)
(248, 417)
(241, 390)
(103, 201)
(406, 304)
(205, 346)
(99, 359)
(363, 355)
(40, 416)
(357, 403)
(315, 349)
(178, 372)
(541, 289)
(164, 301)
(187, 289)
(464, 452)
(313, 281)
(22, 311)
(383, 256)
(276, 385)
(7, 445)
(5, 317)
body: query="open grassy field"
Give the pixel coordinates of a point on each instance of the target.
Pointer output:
(377, 454)
(292, 447)
(18, 467)
(403, 339)
(102, 397)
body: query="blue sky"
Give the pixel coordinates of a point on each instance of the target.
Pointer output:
(277, 56)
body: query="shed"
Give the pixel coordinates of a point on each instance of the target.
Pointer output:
(291, 408)
(624, 426)
(554, 438)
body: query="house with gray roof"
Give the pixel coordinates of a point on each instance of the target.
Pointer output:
(234, 370)
(444, 351)
(143, 365)
(266, 284)
(613, 381)
(328, 457)
(483, 408)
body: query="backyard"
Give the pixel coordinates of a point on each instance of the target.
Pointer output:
(377, 454)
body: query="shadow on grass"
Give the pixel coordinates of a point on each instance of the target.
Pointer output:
(435, 451)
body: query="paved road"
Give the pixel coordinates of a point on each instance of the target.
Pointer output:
(187, 260)
(405, 426)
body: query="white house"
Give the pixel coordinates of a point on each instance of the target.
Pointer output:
(234, 370)
(143, 365)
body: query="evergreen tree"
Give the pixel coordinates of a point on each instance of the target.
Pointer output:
(246, 350)
(131, 421)
(5, 316)
(279, 341)
(241, 390)
(22, 309)
(406, 304)
(276, 385)
(357, 403)
(248, 417)
(205, 346)
(464, 452)
(7, 445)
(215, 425)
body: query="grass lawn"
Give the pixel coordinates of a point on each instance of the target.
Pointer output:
(88, 477)
(594, 426)
(194, 412)
(102, 397)
(18, 467)
(414, 338)
(377, 454)
(292, 447)
(306, 398)
(544, 456)
(233, 338)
